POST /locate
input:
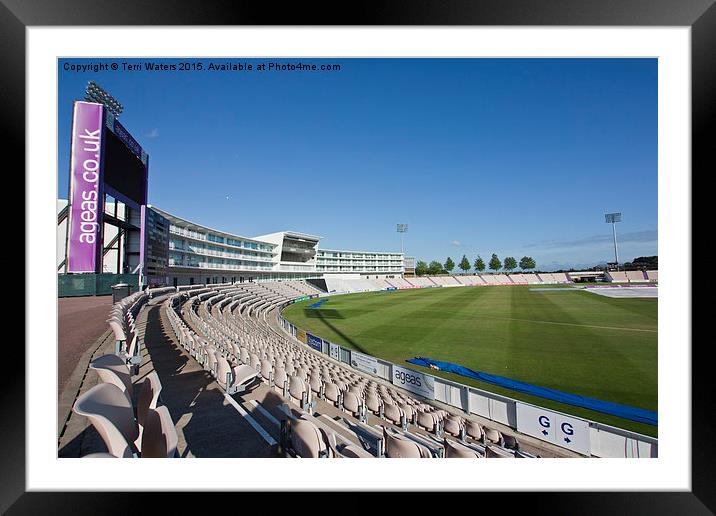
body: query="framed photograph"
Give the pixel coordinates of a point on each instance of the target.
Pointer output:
(185, 159)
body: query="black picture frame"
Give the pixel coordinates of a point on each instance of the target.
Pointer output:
(699, 15)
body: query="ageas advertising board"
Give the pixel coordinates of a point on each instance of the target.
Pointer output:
(414, 381)
(85, 216)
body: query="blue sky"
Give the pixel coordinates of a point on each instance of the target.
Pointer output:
(512, 156)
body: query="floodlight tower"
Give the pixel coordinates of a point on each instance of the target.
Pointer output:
(613, 218)
(402, 229)
(95, 93)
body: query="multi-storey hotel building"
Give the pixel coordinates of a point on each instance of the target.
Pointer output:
(181, 252)
(373, 263)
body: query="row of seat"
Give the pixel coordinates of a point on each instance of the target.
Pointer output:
(144, 429)
(305, 436)
(121, 321)
(302, 377)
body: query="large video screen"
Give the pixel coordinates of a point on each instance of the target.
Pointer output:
(123, 170)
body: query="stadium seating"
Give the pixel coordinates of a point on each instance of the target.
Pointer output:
(144, 431)
(348, 285)
(652, 275)
(473, 280)
(546, 277)
(560, 277)
(445, 281)
(380, 284)
(421, 281)
(532, 279)
(113, 369)
(517, 279)
(636, 277)
(399, 283)
(494, 452)
(159, 439)
(226, 330)
(502, 279)
(454, 450)
(489, 279)
(617, 277)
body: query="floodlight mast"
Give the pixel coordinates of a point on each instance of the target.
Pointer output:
(613, 218)
(402, 229)
(95, 93)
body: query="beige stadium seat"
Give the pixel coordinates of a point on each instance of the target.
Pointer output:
(290, 369)
(148, 396)
(159, 439)
(457, 451)
(113, 369)
(453, 425)
(298, 392)
(242, 377)
(473, 430)
(307, 440)
(280, 380)
(400, 447)
(110, 412)
(223, 373)
(302, 373)
(266, 370)
(427, 421)
(331, 393)
(353, 451)
(210, 356)
(410, 412)
(120, 337)
(352, 404)
(393, 413)
(374, 404)
(494, 452)
(493, 436)
(315, 383)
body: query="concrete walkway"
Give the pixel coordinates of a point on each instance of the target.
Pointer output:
(80, 322)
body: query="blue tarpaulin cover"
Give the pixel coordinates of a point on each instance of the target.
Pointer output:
(607, 407)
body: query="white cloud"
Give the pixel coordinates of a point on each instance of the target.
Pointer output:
(456, 243)
(154, 133)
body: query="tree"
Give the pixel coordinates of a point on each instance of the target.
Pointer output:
(435, 267)
(464, 264)
(479, 264)
(647, 262)
(527, 262)
(495, 263)
(449, 265)
(421, 268)
(510, 263)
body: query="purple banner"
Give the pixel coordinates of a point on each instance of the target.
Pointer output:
(85, 217)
